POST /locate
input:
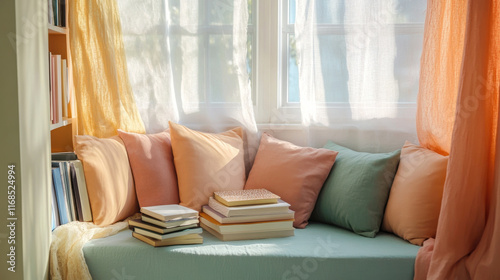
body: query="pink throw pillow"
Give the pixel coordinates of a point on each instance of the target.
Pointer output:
(294, 173)
(152, 164)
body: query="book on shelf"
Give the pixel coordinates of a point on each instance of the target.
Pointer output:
(55, 209)
(78, 181)
(56, 12)
(248, 235)
(64, 156)
(245, 197)
(171, 223)
(70, 188)
(232, 211)
(247, 219)
(245, 227)
(168, 235)
(64, 168)
(181, 240)
(169, 212)
(62, 204)
(154, 228)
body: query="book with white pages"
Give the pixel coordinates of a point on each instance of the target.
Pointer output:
(169, 212)
(159, 236)
(245, 227)
(248, 235)
(262, 209)
(247, 219)
(161, 230)
(171, 223)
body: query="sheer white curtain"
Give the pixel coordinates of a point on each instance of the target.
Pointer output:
(358, 65)
(187, 62)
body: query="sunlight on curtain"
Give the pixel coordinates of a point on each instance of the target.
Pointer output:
(358, 62)
(188, 62)
(104, 96)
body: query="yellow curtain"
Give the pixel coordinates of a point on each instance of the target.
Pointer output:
(104, 98)
(467, 244)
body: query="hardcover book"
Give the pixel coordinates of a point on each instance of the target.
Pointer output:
(245, 197)
(245, 227)
(161, 230)
(247, 219)
(159, 236)
(171, 223)
(248, 235)
(169, 212)
(181, 240)
(232, 211)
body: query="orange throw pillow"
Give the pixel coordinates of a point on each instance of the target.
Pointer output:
(152, 164)
(110, 185)
(206, 162)
(294, 173)
(414, 203)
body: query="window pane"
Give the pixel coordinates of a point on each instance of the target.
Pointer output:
(396, 11)
(293, 72)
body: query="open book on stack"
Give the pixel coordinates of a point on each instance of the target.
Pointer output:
(247, 214)
(165, 225)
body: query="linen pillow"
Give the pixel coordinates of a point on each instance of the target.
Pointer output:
(152, 164)
(356, 191)
(110, 185)
(412, 211)
(294, 173)
(206, 162)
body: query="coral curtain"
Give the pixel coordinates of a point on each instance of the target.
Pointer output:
(464, 70)
(104, 97)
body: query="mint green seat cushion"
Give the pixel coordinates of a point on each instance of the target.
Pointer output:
(355, 193)
(319, 251)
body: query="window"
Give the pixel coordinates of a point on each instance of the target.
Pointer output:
(360, 47)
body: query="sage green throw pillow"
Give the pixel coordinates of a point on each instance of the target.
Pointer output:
(356, 191)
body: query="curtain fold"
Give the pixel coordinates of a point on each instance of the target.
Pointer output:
(103, 93)
(467, 244)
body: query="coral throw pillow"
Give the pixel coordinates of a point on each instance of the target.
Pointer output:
(206, 162)
(152, 164)
(412, 211)
(110, 185)
(356, 191)
(294, 173)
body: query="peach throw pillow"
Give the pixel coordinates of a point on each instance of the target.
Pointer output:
(152, 164)
(414, 203)
(109, 180)
(206, 162)
(294, 173)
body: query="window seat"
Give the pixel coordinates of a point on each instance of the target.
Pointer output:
(319, 251)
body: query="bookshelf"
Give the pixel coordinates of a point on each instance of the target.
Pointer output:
(64, 129)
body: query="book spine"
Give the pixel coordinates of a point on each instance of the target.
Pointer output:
(64, 216)
(59, 97)
(82, 189)
(76, 192)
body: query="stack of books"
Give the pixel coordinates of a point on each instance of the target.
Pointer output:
(247, 214)
(70, 201)
(166, 225)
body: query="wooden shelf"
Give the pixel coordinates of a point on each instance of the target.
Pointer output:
(57, 30)
(64, 122)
